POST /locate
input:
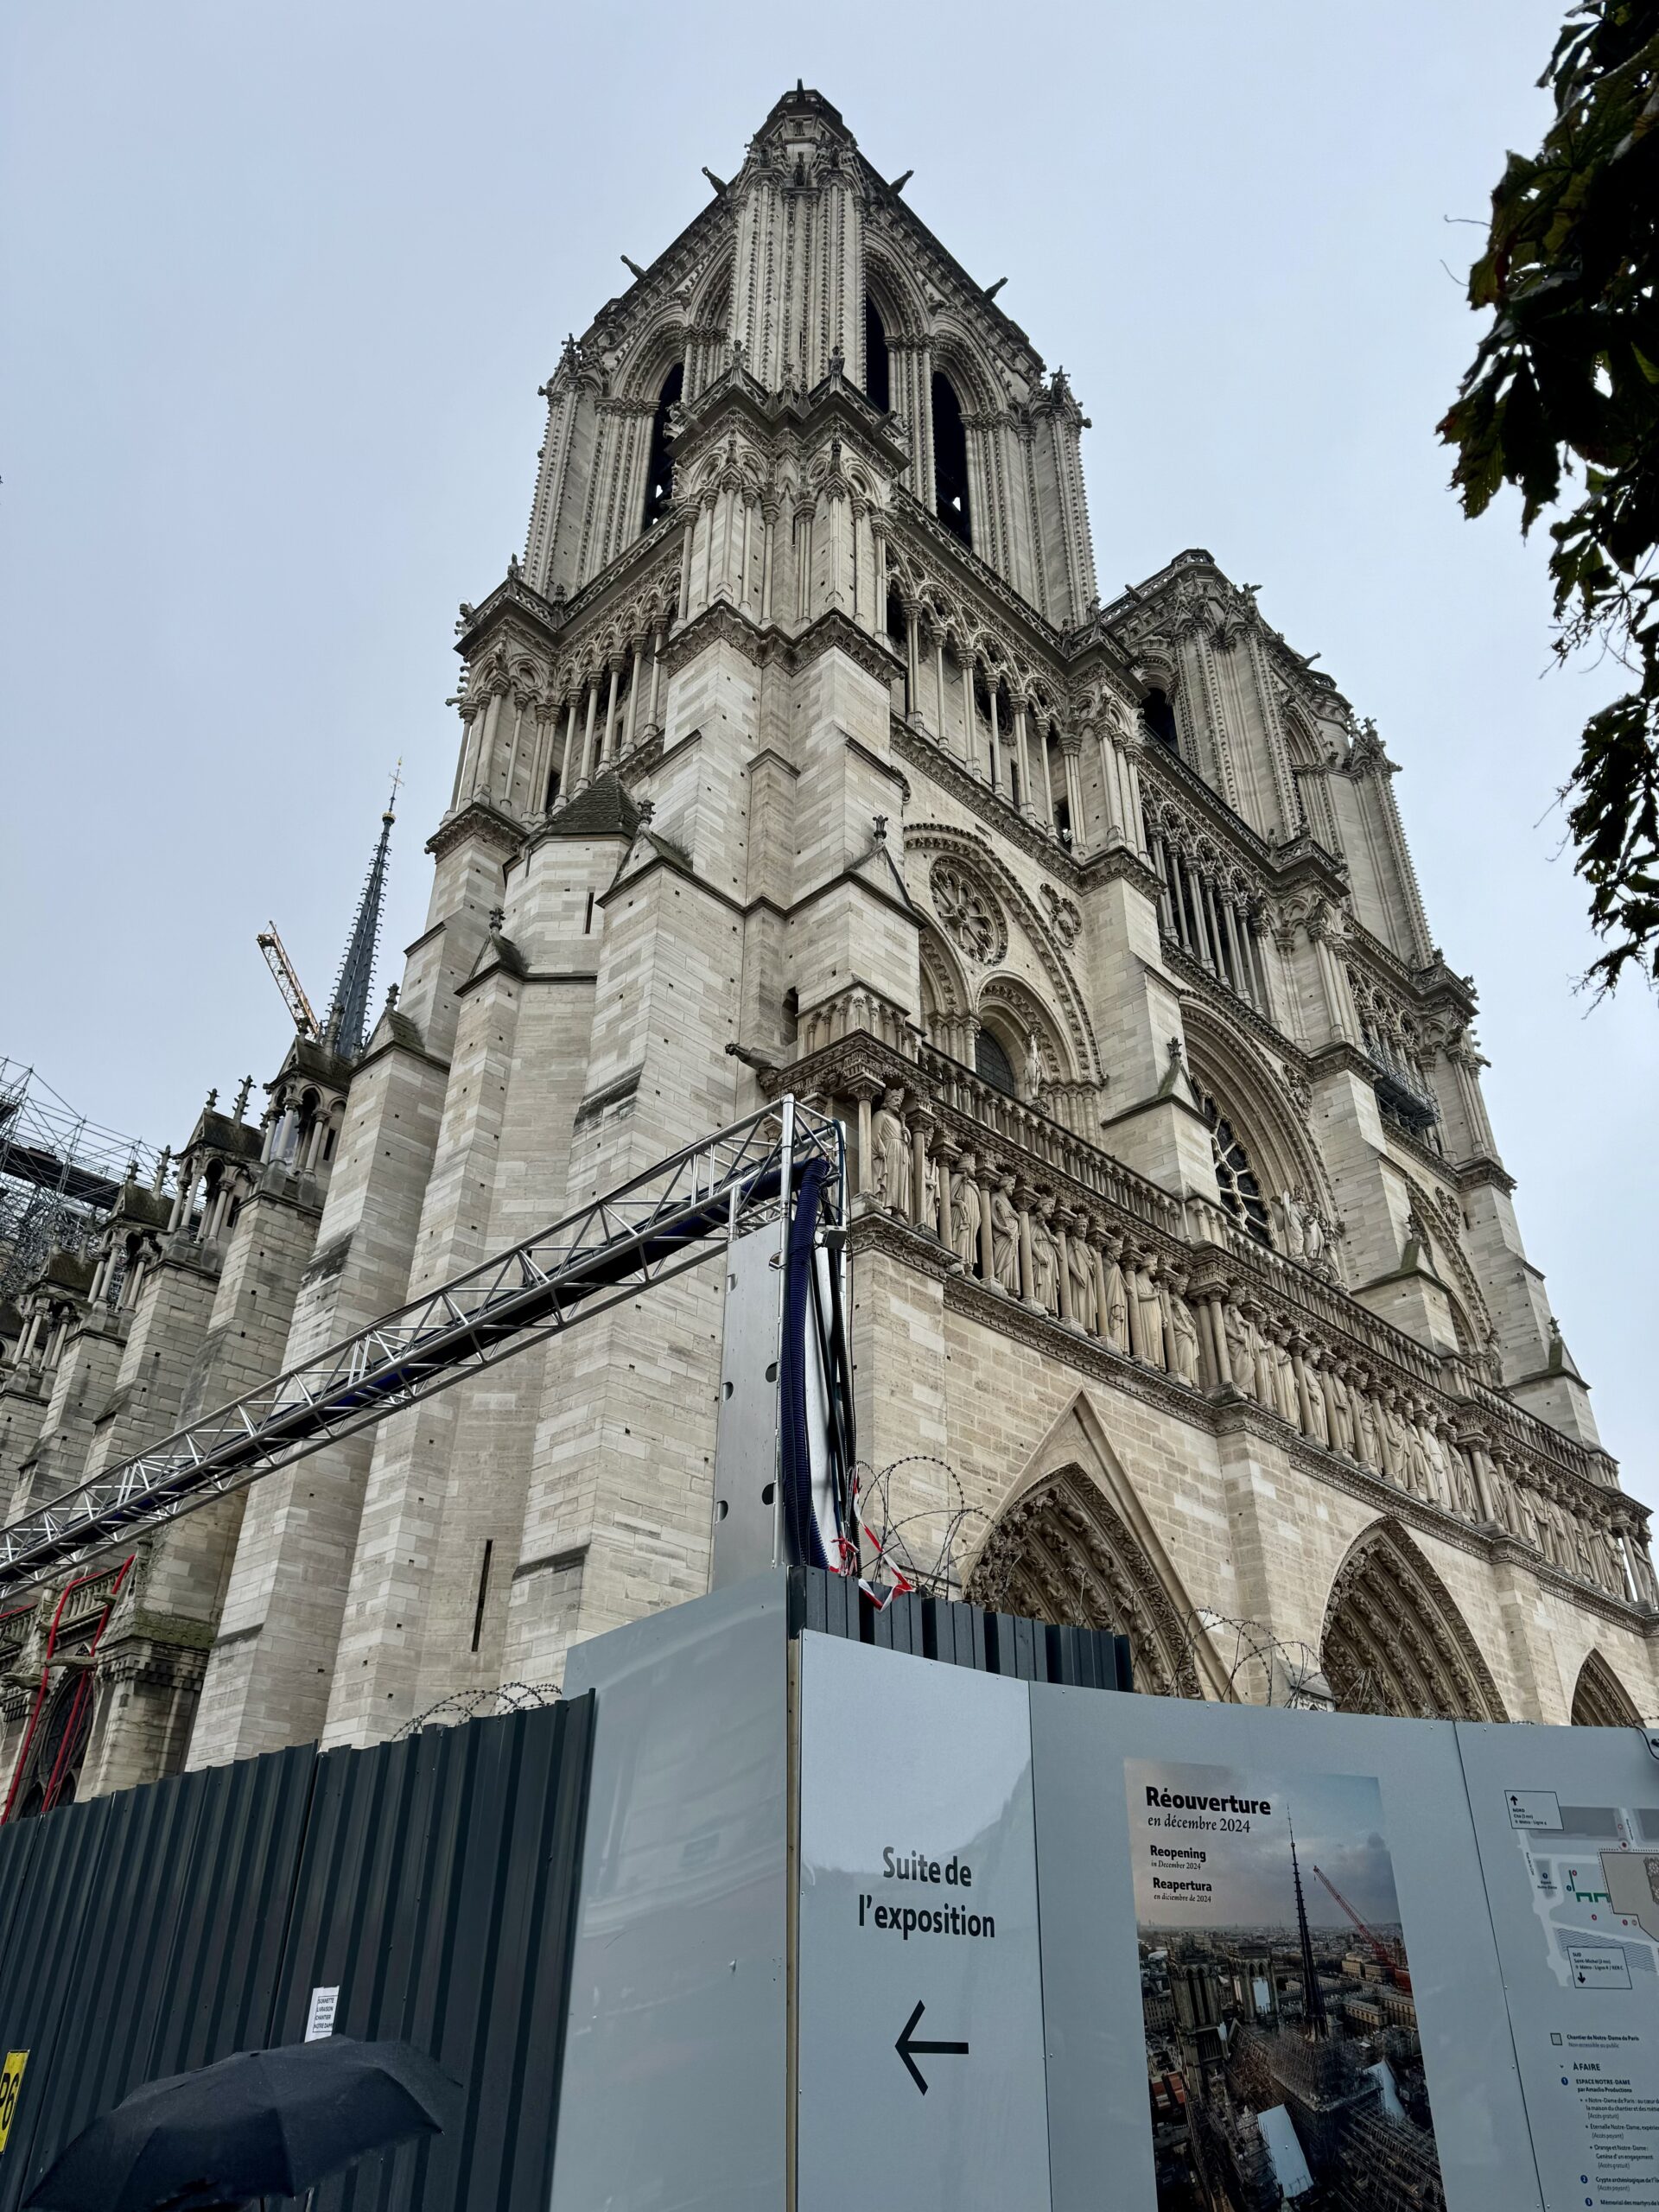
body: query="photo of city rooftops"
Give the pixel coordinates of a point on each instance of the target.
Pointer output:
(1283, 2064)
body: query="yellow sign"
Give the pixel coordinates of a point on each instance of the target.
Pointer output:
(11, 2080)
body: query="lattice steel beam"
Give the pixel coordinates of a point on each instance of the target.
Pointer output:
(666, 1220)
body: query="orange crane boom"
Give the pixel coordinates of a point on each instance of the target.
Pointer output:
(1397, 1973)
(288, 982)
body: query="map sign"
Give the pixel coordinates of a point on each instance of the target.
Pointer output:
(1567, 1823)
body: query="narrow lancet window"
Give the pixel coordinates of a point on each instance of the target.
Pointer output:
(878, 373)
(951, 461)
(659, 468)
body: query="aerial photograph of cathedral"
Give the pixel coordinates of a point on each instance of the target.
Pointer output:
(801, 753)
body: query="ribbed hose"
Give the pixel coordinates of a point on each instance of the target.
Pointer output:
(801, 1537)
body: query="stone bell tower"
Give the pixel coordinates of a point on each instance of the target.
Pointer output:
(798, 750)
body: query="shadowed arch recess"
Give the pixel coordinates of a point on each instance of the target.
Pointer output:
(1394, 1642)
(1599, 1699)
(1062, 1553)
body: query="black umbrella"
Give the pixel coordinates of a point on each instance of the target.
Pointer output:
(262, 2123)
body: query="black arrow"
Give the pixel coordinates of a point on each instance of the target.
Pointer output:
(907, 2047)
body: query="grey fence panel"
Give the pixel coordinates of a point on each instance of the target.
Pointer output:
(143, 1936)
(437, 1894)
(433, 1882)
(961, 1635)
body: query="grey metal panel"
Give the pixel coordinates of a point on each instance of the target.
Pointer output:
(436, 1893)
(1091, 1982)
(143, 1936)
(674, 2079)
(746, 1507)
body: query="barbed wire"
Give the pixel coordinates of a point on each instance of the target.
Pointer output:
(1261, 1668)
(470, 1705)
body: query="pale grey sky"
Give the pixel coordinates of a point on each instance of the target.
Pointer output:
(279, 283)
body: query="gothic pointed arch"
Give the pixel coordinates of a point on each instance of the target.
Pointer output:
(1072, 1544)
(947, 995)
(1394, 1642)
(1599, 1699)
(1062, 1553)
(1016, 1013)
(1250, 1096)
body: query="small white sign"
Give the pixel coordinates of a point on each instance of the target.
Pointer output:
(1532, 1809)
(320, 2020)
(1598, 1966)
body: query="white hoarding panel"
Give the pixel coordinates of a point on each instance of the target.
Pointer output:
(1567, 1822)
(1216, 2039)
(919, 1991)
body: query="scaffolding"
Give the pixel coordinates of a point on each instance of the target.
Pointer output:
(59, 1175)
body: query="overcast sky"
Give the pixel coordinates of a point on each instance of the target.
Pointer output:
(280, 282)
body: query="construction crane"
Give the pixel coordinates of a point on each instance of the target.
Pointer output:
(288, 982)
(779, 1175)
(1398, 1974)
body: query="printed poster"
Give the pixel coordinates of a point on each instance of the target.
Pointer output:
(1282, 2057)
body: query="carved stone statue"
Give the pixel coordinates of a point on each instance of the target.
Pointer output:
(890, 1144)
(1288, 1209)
(930, 1215)
(1318, 1423)
(1284, 1374)
(1241, 1352)
(1148, 1312)
(1115, 1311)
(1080, 1274)
(1180, 1333)
(1267, 1367)
(1033, 1084)
(1045, 1264)
(1339, 1409)
(1391, 1437)
(1005, 1240)
(964, 1213)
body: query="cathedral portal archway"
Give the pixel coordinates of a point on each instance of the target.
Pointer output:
(1394, 1641)
(1062, 1553)
(1600, 1699)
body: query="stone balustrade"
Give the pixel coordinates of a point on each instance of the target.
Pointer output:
(1030, 1212)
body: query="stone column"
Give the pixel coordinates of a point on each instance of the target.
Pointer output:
(913, 659)
(969, 715)
(635, 681)
(997, 747)
(864, 1092)
(1022, 741)
(588, 764)
(1071, 747)
(1058, 1225)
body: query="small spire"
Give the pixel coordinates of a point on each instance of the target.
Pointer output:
(242, 1098)
(212, 1099)
(391, 998)
(162, 1164)
(345, 1028)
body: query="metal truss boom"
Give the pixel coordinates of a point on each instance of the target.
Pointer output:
(673, 1216)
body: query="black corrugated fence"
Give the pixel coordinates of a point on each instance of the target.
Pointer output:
(432, 1881)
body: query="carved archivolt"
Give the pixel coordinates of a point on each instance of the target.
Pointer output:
(1061, 1553)
(1394, 1640)
(999, 881)
(1600, 1699)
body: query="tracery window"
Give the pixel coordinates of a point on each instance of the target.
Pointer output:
(659, 467)
(1235, 1177)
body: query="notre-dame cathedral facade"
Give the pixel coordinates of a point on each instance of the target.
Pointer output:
(799, 752)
